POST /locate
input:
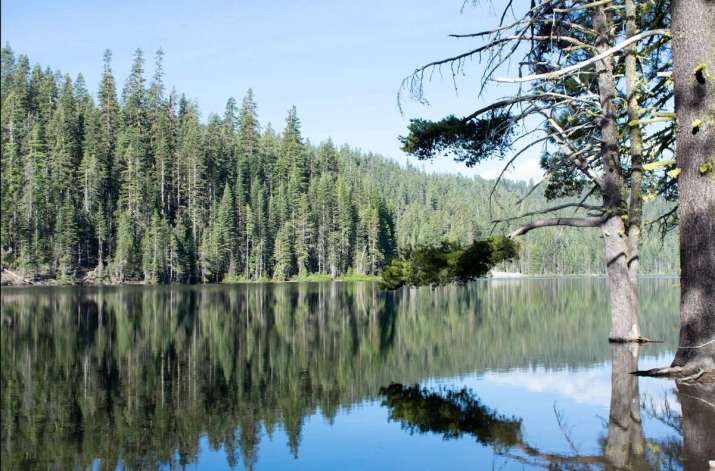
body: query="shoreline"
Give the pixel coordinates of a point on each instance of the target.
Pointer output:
(10, 279)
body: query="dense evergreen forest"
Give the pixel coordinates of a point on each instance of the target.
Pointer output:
(139, 187)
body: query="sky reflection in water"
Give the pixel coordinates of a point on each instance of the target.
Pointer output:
(289, 377)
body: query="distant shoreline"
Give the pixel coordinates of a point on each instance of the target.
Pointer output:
(10, 279)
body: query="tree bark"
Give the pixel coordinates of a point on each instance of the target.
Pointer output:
(624, 318)
(693, 45)
(624, 321)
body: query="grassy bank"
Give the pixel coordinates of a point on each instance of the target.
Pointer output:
(312, 278)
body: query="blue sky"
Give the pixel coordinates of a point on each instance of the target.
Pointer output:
(340, 62)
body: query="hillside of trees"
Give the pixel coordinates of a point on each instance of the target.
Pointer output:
(136, 186)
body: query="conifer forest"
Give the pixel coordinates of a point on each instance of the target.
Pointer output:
(134, 185)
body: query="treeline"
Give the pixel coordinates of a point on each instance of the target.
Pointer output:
(138, 187)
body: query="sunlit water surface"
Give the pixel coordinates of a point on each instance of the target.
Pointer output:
(512, 374)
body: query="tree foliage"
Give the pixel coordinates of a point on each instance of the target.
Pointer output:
(449, 262)
(469, 141)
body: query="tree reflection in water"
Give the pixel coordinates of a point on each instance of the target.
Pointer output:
(143, 377)
(454, 414)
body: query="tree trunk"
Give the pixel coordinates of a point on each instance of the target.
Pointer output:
(624, 322)
(635, 203)
(693, 44)
(621, 289)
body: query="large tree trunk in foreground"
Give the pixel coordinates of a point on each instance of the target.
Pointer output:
(693, 46)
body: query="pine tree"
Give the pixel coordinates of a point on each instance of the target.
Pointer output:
(283, 254)
(36, 198)
(108, 175)
(343, 228)
(182, 254)
(303, 235)
(7, 71)
(190, 174)
(155, 251)
(226, 231)
(325, 247)
(67, 240)
(248, 143)
(209, 253)
(291, 163)
(124, 263)
(136, 166)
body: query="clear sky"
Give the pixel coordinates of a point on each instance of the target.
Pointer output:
(340, 62)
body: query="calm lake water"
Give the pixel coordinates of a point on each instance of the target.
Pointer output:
(512, 374)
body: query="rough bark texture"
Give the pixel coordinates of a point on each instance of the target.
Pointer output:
(624, 322)
(625, 444)
(697, 403)
(693, 43)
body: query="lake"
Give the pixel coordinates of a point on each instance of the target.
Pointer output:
(501, 374)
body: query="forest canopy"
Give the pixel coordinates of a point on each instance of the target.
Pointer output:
(134, 185)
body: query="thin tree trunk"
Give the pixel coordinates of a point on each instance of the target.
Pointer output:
(635, 205)
(624, 319)
(624, 322)
(693, 44)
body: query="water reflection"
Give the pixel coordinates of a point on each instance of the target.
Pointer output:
(625, 443)
(455, 413)
(697, 423)
(140, 377)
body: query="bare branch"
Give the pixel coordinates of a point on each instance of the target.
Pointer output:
(551, 210)
(531, 191)
(514, 157)
(567, 70)
(519, 99)
(487, 32)
(582, 7)
(570, 222)
(580, 163)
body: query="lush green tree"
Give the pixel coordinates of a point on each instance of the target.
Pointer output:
(448, 262)
(156, 251)
(225, 227)
(67, 240)
(124, 261)
(283, 253)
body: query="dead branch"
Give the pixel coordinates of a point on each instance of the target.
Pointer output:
(569, 222)
(551, 210)
(573, 68)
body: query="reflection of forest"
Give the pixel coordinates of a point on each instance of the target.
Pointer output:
(134, 374)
